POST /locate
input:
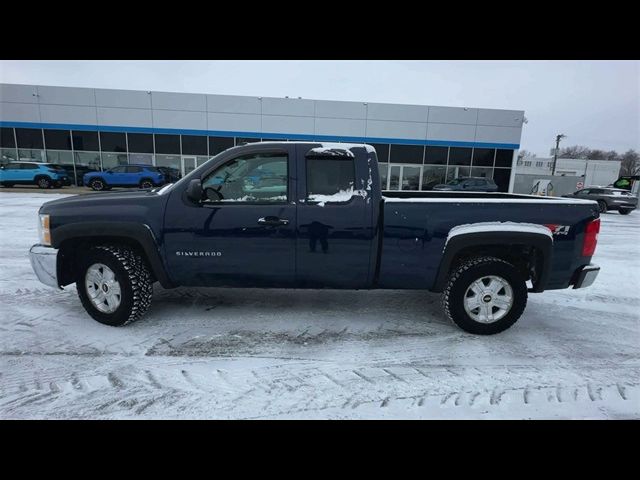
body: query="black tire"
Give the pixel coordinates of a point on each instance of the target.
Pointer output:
(97, 184)
(625, 211)
(44, 182)
(133, 275)
(461, 278)
(146, 183)
(602, 205)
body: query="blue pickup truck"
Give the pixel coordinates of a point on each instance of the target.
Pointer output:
(313, 215)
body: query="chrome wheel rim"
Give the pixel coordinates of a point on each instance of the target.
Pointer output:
(103, 288)
(488, 299)
(43, 183)
(97, 185)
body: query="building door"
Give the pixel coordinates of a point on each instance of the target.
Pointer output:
(405, 177)
(188, 165)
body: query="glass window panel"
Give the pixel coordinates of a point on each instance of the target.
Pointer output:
(383, 168)
(87, 141)
(240, 141)
(57, 139)
(7, 139)
(382, 151)
(60, 157)
(504, 158)
(8, 155)
(326, 176)
(410, 178)
(219, 144)
(457, 172)
(144, 158)
(140, 142)
(502, 176)
(459, 156)
(406, 153)
(394, 177)
(486, 172)
(33, 155)
(85, 162)
(483, 157)
(113, 142)
(167, 144)
(111, 160)
(432, 176)
(170, 161)
(202, 160)
(250, 178)
(29, 138)
(436, 155)
(194, 145)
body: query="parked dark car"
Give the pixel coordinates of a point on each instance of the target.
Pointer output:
(608, 198)
(171, 175)
(469, 184)
(141, 176)
(324, 224)
(44, 175)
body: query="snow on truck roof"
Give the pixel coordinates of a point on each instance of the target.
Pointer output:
(325, 147)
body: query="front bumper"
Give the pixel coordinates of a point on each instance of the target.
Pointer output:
(44, 261)
(586, 276)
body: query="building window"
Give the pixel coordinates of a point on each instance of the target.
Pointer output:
(459, 156)
(168, 144)
(486, 172)
(406, 154)
(240, 141)
(436, 155)
(171, 161)
(504, 158)
(527, 163)
(86, 162)
(219, 144)
(111, 160)
(140, 142)
(383, 170)
(86, 141)
(113, 142)
(7, 140)
(432, 176)
(457, 172)
(8, 155)
(502, 177)
(382, 151)
(141, 158)
(519, 162)
(57, 139)
(538, 164)
(194, 145)
(29, 138)
(483, 157)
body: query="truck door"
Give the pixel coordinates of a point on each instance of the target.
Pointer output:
(335, 219)
(243, 234)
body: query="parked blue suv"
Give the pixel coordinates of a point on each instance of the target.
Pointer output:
(44, 175)
(141, 176)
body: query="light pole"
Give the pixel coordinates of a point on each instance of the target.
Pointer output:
(555, 153)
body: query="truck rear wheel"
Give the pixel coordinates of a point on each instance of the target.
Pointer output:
(114, 284)
(485, 295)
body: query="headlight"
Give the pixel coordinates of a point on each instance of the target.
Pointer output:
(44, 234)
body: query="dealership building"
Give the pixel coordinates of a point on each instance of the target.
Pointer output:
(418, 146)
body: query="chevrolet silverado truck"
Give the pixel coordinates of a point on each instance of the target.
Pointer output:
(313, 215)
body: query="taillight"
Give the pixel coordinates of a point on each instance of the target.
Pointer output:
(590, 238)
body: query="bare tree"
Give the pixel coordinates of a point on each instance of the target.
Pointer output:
(576, 151)
(630, 163)
(526, 154)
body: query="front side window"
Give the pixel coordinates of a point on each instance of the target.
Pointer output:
(254, 178)
(120, 169)
(133, 169)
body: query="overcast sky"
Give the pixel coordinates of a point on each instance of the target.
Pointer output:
(595, 103)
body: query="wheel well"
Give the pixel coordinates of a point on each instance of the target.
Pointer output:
(146, 179)
(71, 252)
(41, 175)
(528, 259)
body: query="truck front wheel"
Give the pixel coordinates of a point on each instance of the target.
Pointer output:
(485, 295)
(114, 284)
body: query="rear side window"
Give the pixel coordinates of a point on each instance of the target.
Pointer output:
(597, 191)
(29, 166)
(327, 176)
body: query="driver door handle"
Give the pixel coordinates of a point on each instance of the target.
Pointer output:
(272, 221)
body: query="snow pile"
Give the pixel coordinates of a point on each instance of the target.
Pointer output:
(341, 196)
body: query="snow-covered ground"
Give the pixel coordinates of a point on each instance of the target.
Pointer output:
(224, 353)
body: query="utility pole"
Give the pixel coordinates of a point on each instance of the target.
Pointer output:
(555, 153)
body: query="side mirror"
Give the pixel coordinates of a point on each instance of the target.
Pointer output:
(194, 190)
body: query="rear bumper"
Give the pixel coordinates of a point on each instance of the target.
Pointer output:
(44, 261)
(586, 276)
